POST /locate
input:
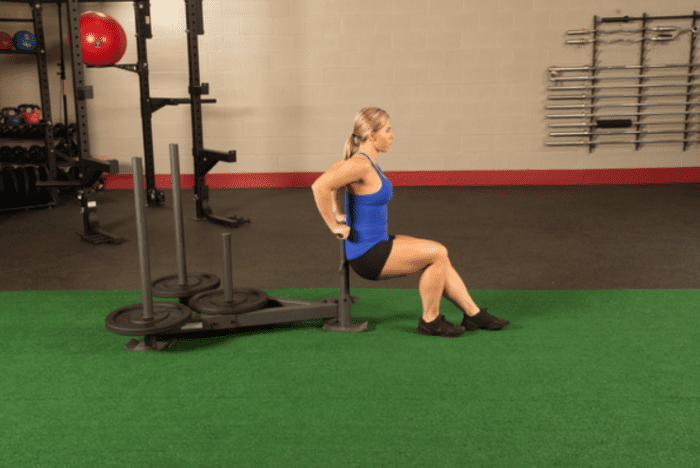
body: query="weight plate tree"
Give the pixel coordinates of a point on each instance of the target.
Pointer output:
(148, 318)
(183, 285)
(229, 300)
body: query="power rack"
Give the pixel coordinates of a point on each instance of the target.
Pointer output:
(91, 168)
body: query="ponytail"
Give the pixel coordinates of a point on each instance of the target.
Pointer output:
(351, 146)
(368, 120)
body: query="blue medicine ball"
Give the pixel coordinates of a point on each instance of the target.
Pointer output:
(24, 40)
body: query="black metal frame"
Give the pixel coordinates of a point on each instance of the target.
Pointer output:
(46, 127)
(204, 160)
(594, 63)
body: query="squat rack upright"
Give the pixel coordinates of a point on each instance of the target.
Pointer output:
(204, 160)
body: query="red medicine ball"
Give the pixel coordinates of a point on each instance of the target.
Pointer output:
(5, 41)
(103, 39)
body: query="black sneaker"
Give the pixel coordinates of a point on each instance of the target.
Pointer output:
(440, 327)
(485, 321)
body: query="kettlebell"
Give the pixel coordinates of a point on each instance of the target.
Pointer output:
(12, 115)
(31, 113)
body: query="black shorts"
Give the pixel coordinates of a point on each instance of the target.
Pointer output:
(370, 265)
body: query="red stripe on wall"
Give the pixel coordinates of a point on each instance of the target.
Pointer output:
(670, 175)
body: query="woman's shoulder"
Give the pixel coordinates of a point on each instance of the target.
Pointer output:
(355, 161)
(359, 158)
(344, 172)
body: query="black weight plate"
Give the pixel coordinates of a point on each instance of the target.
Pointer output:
(59, 131)
(37, 174)
(214, 302)
(34, 153)
(22, 182)
(169, 286)
(10, 184)
(43, 176)
(129, 320)
(2, 191)
(14, 159)
(6, 154)
(42, 156)
(5, 184)
(21, 154)
(32, 175)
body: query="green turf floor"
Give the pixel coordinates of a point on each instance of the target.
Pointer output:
(579, 379)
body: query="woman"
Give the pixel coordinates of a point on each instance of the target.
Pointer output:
(371, 252)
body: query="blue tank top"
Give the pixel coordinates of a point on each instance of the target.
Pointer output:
(367, 217)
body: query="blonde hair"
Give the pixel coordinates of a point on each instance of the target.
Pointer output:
(368, 120)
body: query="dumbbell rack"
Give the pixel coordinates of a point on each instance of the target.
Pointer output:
(649, 92)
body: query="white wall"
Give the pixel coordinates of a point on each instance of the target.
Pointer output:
(463, 81)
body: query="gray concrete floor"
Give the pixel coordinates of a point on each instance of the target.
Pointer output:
(529, 238)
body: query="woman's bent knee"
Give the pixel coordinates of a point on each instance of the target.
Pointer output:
(438, 252)
(411, 255)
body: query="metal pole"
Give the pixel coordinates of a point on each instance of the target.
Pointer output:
(345, 302)
(594, 63)
(587, 88)
(690, 81)
(661, 38)
(585, 143)
(62, 74)
(619, 67)
(640, 114)
(632, 77)
(595, 124)
(616, 31)
(584, 106)
(627, 19)
(177, 211)
(139, 202)
(226, 261)
(583, 97)
(580, 134)
(642, 61)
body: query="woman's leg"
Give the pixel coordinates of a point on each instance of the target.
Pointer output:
(410, 255)
(456, 292)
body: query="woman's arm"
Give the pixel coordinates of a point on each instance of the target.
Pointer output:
(325, 191)
(339, 216)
